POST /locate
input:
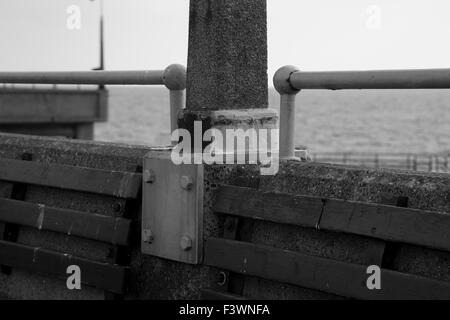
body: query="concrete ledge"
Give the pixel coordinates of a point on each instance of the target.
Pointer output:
(243, 118)
(430, 191)
(74, 152)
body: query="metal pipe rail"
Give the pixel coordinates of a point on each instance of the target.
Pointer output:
(173, 77)
(383, 79)
(151, 77)
(288, 81)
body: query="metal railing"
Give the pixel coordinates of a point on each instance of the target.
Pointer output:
(289, 81)
(173, 77)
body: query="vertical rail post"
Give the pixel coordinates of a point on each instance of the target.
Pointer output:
(281, 81)
(174, 79)
(414, 163)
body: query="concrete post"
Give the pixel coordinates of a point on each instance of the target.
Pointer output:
(227, 83)
(227, 60)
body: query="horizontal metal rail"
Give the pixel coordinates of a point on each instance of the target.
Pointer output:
(427, 162)
(149, 77)
(288, 81)
(383, 79)
(173, 77)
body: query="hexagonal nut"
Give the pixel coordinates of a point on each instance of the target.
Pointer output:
(186, 243)
(186, 182)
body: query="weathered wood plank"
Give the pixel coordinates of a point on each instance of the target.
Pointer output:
(84, 131)
(122, 255)
(50, 106)
(40, 129)
(317, 273)
(112, 183)
(86, 225)
(97, 274)
(209, 294)
(11, 230)
(275, 207)
(396, 224)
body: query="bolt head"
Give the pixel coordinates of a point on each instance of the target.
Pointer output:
(117, 207)
(186, 243)
(186, 182)
(149, 176)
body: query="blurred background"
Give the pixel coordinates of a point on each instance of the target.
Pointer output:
(402, 128)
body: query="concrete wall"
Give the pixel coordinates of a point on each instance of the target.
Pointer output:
(154, 278)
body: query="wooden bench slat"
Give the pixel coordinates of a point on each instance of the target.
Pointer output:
(210, 294)
(276, 207)
(85, 225)
(418, 227)
(113, 183)
(396, 224)
(50, 106)
(336, 277)
(93, 273)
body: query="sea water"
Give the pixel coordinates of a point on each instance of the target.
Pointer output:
(392, 121)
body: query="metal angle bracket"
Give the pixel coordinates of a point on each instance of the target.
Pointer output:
(172, 209)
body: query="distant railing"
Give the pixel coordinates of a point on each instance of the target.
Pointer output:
(173, 77)
(426, 162)
(288, 81)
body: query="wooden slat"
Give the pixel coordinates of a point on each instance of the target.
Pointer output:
(11, 230)
(121, 255)
(419, 227)
(113, 183)
(209, 294)
(71, 222)
(424, 228)
(49, 106)
(40, 129)
(97, 274)
(276, 207)
(341, 278)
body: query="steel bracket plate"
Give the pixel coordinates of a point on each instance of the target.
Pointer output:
(172, 209)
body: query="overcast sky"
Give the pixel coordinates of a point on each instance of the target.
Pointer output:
(151, 34)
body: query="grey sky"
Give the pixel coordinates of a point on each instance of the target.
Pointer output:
(150, 34)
